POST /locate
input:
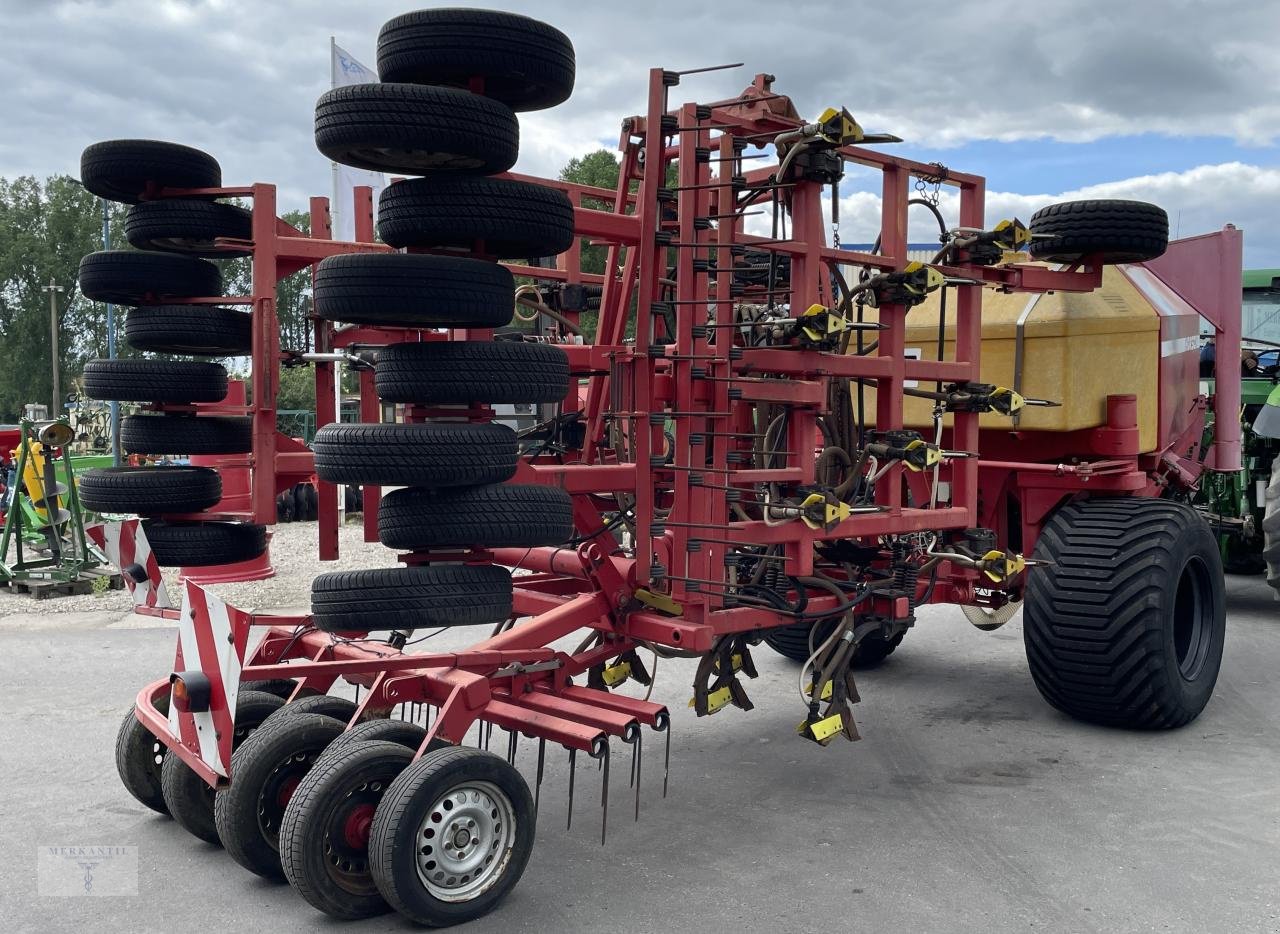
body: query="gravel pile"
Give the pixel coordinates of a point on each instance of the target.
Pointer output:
(294, 550)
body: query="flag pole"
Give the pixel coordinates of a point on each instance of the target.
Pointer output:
(333, 229)
(334, 208)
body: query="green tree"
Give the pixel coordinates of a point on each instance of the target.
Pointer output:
(599, 168)
(45, 229)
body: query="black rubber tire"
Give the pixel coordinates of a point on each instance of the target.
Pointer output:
(197, 330)
(437, 454)
(394, 847)
(526, 64)
(414, 290)
(1271, 529)
(150, 491)
(1125, 624)
(155, 381)
(186, 225)
(411, 597)
(793, 642)
(122, 169)
(189, 797)
(498, 516)
(248, 812)
(326, 705)
(139, 759)
(186, 434)
(329, 870)
(409, 735)
(203, 544)
(448, 372)
(1121, 231)
(495, 216)
(131, 277)
(415, 130)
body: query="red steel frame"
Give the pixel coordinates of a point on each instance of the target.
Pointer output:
(708, 388)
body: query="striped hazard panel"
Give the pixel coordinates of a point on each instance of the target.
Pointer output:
(125, 545)
(214, 639)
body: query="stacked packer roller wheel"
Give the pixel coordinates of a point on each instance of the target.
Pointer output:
(163, 281)
(720, 486)
(449, 458)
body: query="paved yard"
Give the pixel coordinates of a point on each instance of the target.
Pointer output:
(970, 805)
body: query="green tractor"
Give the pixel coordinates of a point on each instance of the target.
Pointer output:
(1245, 506)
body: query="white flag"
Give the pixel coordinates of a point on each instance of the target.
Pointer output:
(346, 70)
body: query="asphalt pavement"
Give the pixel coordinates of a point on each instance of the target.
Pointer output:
(969, 804)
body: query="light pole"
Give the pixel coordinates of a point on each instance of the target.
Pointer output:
(53, 289)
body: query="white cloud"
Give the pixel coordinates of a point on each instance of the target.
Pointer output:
(1198, 200)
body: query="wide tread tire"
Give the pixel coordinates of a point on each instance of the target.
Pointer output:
(197, 330)
(415, 130)
(495, 216)
(132, 277)
(499, 516)
(1103, 620)
(150, 490)
(123, 169)
(414, 290)
(282, 688)
(155, 381)
(187, 434)
(448, 372)
(248, 812)
(1121, 231)
(189, 797)
(139, 760)
(393, 844)
(438, 455)
(319, 860)
(793, 642)
(1271, 529)
(526, 64)
(185, 225)
(411, 597)
(204, 544)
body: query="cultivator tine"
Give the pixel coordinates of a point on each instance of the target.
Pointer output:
(537, 785)
(666, 765)
(637, 762)
(604, 795)
(573, 758)
(511, 747)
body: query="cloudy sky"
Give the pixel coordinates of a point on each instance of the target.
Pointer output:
(1173, 101)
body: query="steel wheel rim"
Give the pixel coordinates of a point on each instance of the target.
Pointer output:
(465, 840)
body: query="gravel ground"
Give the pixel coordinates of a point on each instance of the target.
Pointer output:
(293, 553)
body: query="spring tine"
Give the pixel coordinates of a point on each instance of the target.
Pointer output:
(537, 785)
(488, 734)
(573, 755)
(511, 747)
(636, 761)
(666, 774)
(604, 797)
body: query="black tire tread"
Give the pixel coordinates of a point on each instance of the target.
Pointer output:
(440, 454)
(203, 544)
(140, 776)
(131, 277)
(150, 490)
(1091, 619)
(197, 330)
(498, 516)
(188, 226)
(414, 290)
(513, 219)
(120, 169)
(423, 129)
(411, 597)
(187, 434)
(449, 372)
(155, 381)
(1122, 231)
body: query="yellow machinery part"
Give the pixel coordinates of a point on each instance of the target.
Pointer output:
(1078, 348)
